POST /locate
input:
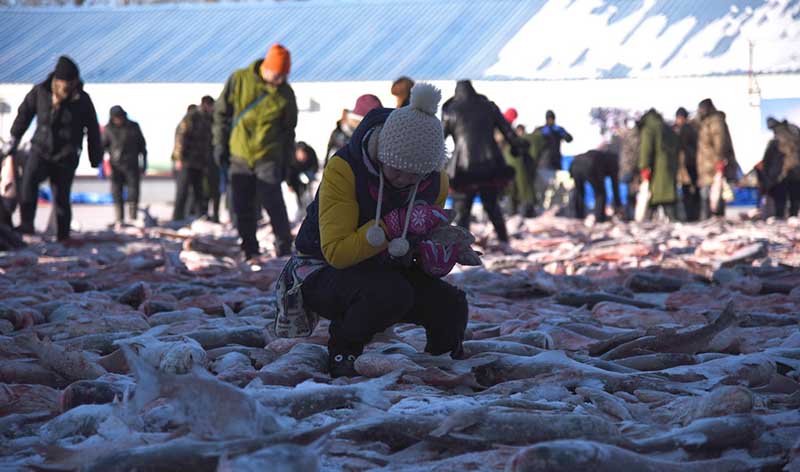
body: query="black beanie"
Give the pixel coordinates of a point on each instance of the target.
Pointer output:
(66, 69)
(117, 110)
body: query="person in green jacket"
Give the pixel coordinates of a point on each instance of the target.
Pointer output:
(254, 122)
(521, 189)
(658, 162)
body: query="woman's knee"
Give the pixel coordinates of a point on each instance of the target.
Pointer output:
(389, 293)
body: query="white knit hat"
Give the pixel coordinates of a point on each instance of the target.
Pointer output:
(412, 139)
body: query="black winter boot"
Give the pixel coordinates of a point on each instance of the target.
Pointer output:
(342, 365)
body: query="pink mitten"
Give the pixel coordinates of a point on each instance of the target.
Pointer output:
(424, 218)
(436, 259)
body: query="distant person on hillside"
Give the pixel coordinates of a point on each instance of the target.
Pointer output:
(127, 153)
(64, 114)
(254, 129)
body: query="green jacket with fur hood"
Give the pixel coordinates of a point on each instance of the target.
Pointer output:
(265, 131)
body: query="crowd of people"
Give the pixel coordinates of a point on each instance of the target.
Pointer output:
(682, 170)
(240, 147)
(365, 256)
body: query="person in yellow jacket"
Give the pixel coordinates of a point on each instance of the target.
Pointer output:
(363, 261)
(253, 137)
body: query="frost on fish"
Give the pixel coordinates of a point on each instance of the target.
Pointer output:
(611, 347)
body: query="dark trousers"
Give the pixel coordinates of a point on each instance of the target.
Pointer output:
(214, 194)
(37, 170)
(691, 202)
(462, 204)
(365, 299)
(263, 181)
(778, 195)
(5, 214)
(599, 190)
(669, 210)
(187, 177)
(705, 204)
(792, 194)
(126, 178)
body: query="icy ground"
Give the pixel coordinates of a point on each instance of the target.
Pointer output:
(614, 347)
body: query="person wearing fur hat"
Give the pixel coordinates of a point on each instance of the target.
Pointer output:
(124, 142)
(254, 129)
(362, 258)
(64, 114)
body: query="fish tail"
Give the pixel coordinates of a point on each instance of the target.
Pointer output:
(148, 383)
(371, 391)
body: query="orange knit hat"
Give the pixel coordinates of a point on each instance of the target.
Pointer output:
(278, 60)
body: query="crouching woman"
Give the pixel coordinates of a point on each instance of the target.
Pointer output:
(362, 258)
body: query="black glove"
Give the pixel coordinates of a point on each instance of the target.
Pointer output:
(222, 156)
(9, 147)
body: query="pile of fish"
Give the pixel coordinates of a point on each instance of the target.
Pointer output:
(615, 346)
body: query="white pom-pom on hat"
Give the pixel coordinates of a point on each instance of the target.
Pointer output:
(425, 98)
(412, 139)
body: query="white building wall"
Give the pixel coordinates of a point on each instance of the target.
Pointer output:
(159, 107)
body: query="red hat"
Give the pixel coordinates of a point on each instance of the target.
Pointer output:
(365, 104)
(277, 60)
(510, 115)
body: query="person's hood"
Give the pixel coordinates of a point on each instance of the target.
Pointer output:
(464, 90)
(714, 113)
(651, 116)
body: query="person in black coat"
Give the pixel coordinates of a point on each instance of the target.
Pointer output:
(770, 184)
(594, 167)
(478, 166)
(125, 145)
(687, 158)
(64, 114)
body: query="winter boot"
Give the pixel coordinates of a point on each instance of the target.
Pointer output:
(342, 365)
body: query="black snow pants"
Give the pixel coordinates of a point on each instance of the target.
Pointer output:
(462, 204)
(369, 297)
(263, 181)
(126, 178)
(61, 175)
